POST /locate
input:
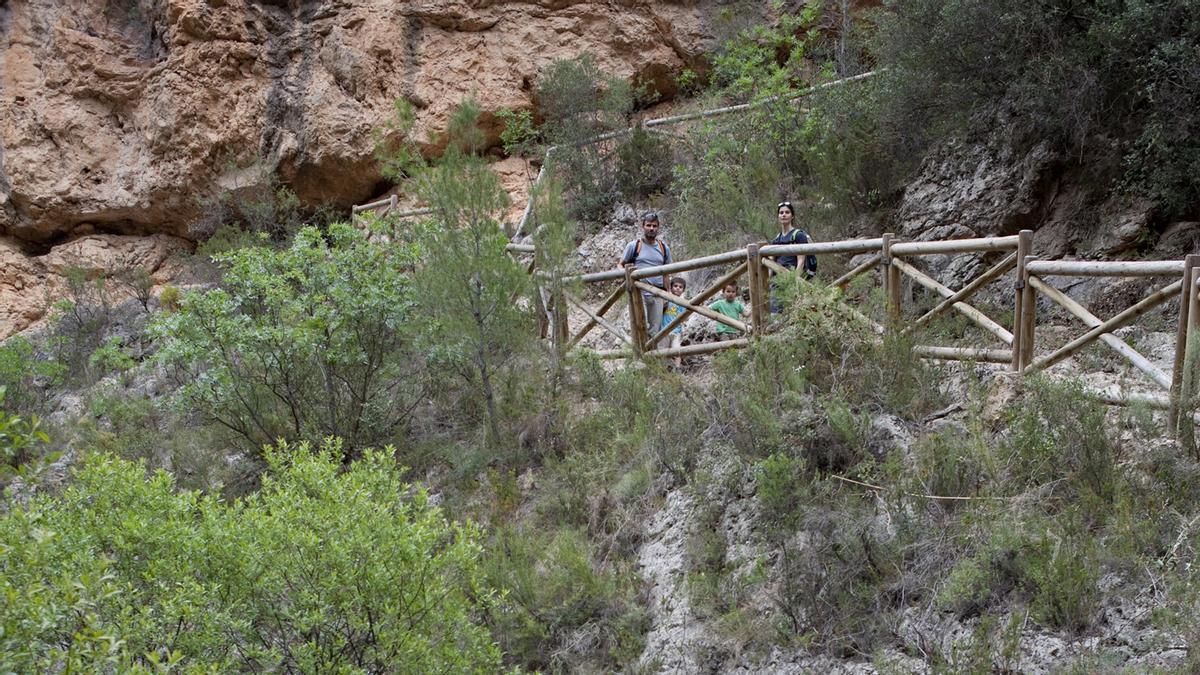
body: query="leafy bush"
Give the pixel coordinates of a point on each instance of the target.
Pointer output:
(19, 437)
(1053, 435)
(81, 321)
(312, 340)
(644, 163)
(321, 570)
(25, 375)
(564, 608)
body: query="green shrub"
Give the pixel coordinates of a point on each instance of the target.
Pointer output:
(312, 340)
(779, 482)
(565, 609)
(644, 163)
(1056, 432)
(321, 570)
(26, 375)
(81, 321)
(1065, 73)
(19, 438)
(109, 357)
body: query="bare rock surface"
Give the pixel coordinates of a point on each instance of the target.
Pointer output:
(118, 114)
(30, 283)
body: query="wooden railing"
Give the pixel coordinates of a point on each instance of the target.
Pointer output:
(896, 260)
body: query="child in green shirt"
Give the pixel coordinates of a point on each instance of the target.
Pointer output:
(731, 307)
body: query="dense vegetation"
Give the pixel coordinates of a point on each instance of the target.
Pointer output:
(228, 506)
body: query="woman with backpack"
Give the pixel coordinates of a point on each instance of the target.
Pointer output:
(790, 234)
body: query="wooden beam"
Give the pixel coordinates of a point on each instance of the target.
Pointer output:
(637, 312)
(963, 354)
(1118, 345)
(970, 312)
(966, 292)
(692, 264)
(699, 300)
(1107, 268)
(1024, 249)
(863, 267)
(955, 246)
(599, 320)
(822, 248)
(699, 309)
(757, 301)
(891, 280)
(1191, 343)
(1181, 335)
(604, 307)
(701, 348)
(1133, 312)
(1028, 325)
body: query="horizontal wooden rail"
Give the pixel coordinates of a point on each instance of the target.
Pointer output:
(970, 312)
(1117, 344)
(824, 247)
(700, 348)
(692, 264)
(593, 277)
(1122, 268)
(955, 246)
(520, 248)
(963, 354)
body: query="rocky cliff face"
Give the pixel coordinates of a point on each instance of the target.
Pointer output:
(116, 117)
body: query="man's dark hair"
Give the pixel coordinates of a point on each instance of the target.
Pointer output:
(650, 217)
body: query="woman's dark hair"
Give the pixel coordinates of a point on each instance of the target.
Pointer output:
(791, 209)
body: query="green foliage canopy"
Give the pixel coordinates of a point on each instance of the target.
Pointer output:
(320, 571)
(313, 340)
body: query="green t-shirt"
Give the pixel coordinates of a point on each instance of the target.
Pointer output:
(732, 310)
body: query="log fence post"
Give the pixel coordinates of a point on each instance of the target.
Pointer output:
(562, 329)
(1028, 318)
(1191, 342)
(1024, 246)
(891, 281)
(637, 313)
(757, 301)
(1182, 334)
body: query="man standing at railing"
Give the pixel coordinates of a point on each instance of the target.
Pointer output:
(649, 251)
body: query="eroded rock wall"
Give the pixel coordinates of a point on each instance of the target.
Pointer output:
(120, 117)
(119, 114)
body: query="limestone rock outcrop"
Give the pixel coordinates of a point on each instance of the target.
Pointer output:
(124, 117)
(30, 283)
(121, 115)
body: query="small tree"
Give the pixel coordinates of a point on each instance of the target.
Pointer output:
(468, 281)
(579, 101)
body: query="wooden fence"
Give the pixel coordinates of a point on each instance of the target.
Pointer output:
(895, 260)
(1015, 344)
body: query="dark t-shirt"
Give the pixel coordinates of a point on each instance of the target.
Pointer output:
(795, 236)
